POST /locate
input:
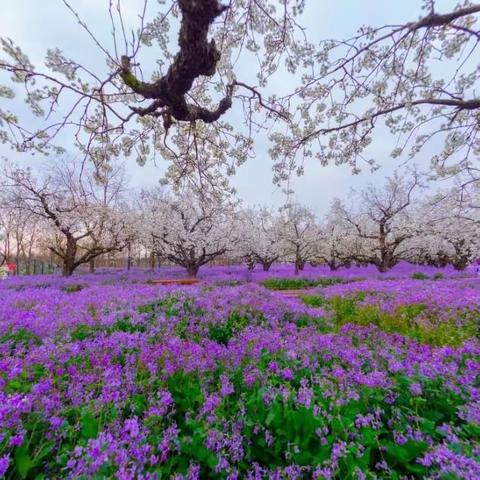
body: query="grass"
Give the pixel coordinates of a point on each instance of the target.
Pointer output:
(413, 320)
(299, 283)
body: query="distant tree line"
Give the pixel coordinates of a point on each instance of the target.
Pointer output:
(72, 215)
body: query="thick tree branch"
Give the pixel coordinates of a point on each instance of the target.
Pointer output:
(197, 57)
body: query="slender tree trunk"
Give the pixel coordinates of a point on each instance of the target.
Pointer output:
(299, 262)
(7, 248)
(385, 263)
(129, 256)
(91, 266)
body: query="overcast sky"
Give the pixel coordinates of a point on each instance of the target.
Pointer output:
(38, 25)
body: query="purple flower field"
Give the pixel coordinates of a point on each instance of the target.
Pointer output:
(363, 376)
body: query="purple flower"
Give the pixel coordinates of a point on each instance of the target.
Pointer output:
(415, 389)
(4, 464)
(17, 440)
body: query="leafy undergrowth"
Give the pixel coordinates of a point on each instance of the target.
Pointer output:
(413, 320)
(424, 276)
(232, 382)
(299, 283)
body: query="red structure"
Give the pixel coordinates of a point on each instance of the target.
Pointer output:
(11, 267)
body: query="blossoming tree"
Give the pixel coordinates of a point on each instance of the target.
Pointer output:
(301, 235)
(187, 228)
(381, 218)
(261, 237)
(80, 209)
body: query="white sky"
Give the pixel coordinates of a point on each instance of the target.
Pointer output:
(37, 25)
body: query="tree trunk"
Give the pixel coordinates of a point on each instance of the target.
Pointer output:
(192, 270)
(129, 256)
(69, 258)
(460, 263)
(91, 266)
(299, 264)
(386, 264)
(382, 268)
(266, 266)
(250, 266)
(67, 269)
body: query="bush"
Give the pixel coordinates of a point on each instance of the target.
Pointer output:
(72, 288)
(299, 283)
(313, 300)
(420, 276)
(235, 322)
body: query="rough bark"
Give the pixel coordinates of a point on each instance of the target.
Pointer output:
(69, 256)
(197, 57)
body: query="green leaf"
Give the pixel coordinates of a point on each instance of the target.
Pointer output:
(89, 426)
(45, 450)
(404, 454)
(23, 461)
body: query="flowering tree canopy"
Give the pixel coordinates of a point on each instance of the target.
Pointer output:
(186, 228)
(382, 220)
(175, 104)
(419, 79)
(261, 237)
(301, 235)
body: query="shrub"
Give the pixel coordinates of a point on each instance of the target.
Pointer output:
(313, 300)
(223, 332)
(72, 288)
(420, 276)
(299, 283)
